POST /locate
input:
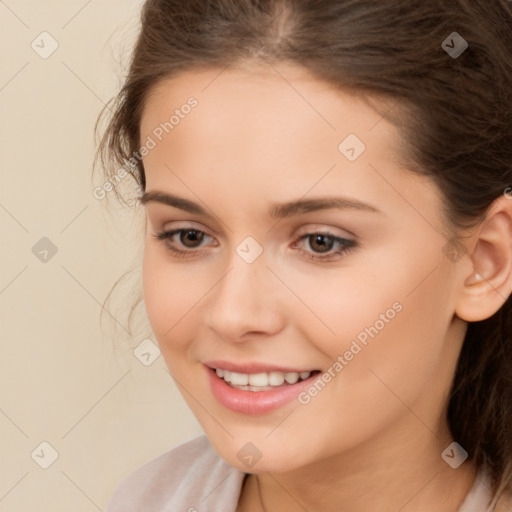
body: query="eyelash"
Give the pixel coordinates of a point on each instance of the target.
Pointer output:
(345, 245)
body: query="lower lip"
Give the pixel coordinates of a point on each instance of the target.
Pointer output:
(255, 402)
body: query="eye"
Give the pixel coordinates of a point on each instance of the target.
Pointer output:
(324, 246)
(190, 238)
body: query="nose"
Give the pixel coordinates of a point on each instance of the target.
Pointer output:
(245, 303)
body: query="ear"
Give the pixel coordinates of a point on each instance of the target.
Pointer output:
(486, 279)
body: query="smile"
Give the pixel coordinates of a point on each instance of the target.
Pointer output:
(261, 381)
(257, 393)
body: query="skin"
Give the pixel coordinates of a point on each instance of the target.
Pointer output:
(372, 438)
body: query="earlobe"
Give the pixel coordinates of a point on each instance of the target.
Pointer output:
(489, 282)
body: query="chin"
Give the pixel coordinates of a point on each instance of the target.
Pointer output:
(261, 456)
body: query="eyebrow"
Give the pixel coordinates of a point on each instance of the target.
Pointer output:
(277, 211)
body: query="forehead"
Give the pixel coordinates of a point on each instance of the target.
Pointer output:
(279, 110)
(276, 129)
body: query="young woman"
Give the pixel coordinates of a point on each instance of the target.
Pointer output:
(327, 190)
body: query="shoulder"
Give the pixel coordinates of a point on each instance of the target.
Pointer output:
(190, 478)
(481, 499)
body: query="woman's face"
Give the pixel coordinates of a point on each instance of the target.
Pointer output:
(305, 246)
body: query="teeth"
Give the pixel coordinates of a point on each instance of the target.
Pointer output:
(275, 378)
(260, 381)
(240, 379)
(293, 377)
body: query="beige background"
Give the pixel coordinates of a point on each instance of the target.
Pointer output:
(65, 379)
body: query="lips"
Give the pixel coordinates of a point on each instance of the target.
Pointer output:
(255, 367)
(251, 402)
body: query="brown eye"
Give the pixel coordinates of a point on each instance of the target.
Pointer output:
(191, 237)
(321, 243)
(324, 247)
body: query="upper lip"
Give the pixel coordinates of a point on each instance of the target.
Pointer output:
(253, 367)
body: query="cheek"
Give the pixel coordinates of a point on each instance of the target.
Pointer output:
(169, 294)
(386, 361)
(154, 285)
(382, 314)
(339, 305)
(175, 295)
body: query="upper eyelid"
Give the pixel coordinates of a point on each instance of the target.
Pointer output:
(322, 228)
(157, 218)
(307, 232)
(311, 228)
(217, 230)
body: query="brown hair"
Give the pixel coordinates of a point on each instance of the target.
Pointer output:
(455, 113)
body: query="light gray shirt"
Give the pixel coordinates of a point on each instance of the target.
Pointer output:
(193, 478)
